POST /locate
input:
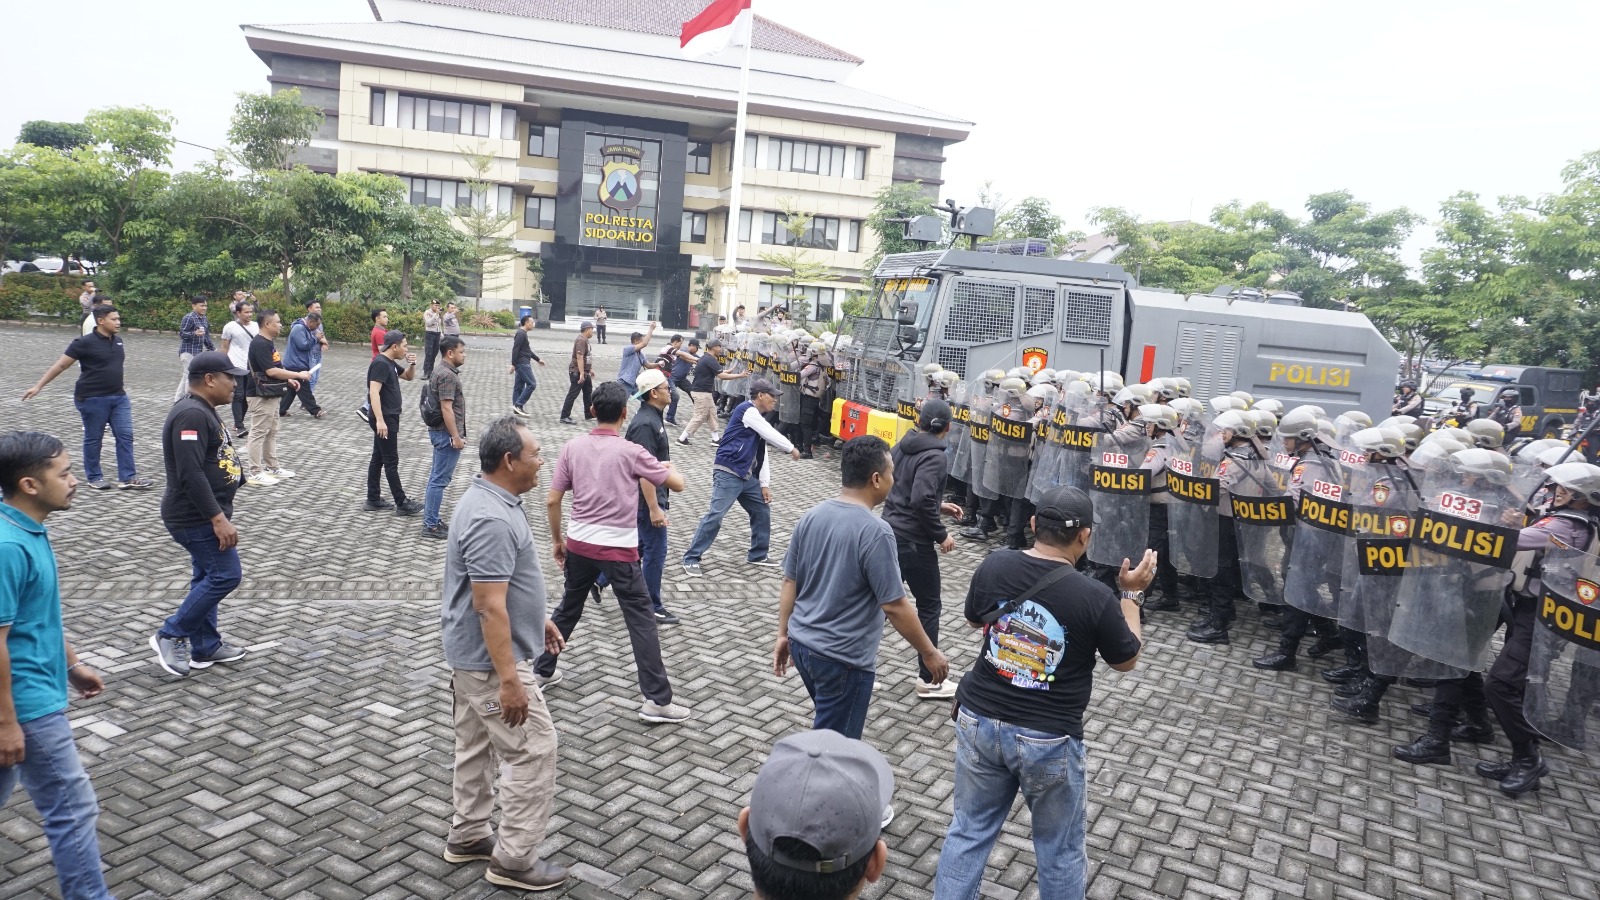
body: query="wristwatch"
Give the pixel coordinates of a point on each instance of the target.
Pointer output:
(1136, 596)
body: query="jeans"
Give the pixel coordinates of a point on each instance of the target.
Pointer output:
(919, 568)
(725, 489)
(637, 616)
(652, 554)
(98, 412)
(240, 404)
(216, 574)
(993, 760)
(307, 398)
(445, 458)
(840, 692)
(672, 408)
(586, 386)
(385, 461)
(54, 778)
(524, 386)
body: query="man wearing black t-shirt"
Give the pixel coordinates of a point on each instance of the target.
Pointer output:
(268, 381)
(1019, 721)
(100, 399)
(202, 476)
(383, 392)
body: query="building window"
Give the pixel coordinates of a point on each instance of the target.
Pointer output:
(698, 162)
(376, 115)
(446, 116)
(544, 140)
(822, 233)
(745, 217)
(694, 228)
(833, 160)
(819, 300)
(447, 194)
(853, 243)
(508, 124)
(540, 212)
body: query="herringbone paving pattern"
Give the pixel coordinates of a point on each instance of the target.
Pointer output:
(319, 767)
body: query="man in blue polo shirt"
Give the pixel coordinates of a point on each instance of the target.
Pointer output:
(37, 663)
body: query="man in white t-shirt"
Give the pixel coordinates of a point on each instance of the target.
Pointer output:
(236, 336)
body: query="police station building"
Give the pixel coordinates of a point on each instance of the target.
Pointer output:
(612, 150)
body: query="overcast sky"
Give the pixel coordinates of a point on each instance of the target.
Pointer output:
(1166, 108)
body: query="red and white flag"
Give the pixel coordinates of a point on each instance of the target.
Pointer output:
(722, 24)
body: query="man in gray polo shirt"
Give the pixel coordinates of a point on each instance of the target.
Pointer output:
(493, 626)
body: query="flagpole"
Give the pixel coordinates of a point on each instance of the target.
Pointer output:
(730, 269)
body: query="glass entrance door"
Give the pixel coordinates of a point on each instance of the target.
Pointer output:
(622, 296)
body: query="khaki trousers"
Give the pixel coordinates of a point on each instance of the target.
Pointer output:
(705, 411)
(527, 773)
(263, 425)
(183, 376)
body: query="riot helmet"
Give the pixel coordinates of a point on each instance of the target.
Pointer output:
(1164, 418)
(1108, 382)
(1134, 395)
(1554, 456)
(1355, 420)
(1317, 411)
(1581, 478)
(1300, 424)
(1243, 397)
(1188, 407)
(1233, 422)
(1532, 453)
(1181, 385)
(1492, 467)
(1164, 389)
(1043, 394)
(1462, 435)
(1272, 406)
(993, 377)
(1388, 443)
(1466, 394)
(1266, 423)
(1508, 393)
(1398, 420)
(1408, 385)
(1434, 450)
(1487, 433)
(1226, 402)
(1079, 388)
(1413, 434)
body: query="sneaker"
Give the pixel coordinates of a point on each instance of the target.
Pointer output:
(263, 478)
(378, 505)
(460, 853)
(941, 691)
(541, 876)
(544, 681)
(136, 483)
(716, 442)
(766, 562)
(226, 652)
(684, 441)
(364, 414)
(665, 617)
(282, 474)
(100, 484)
(408, 508)
(519, 412)
(691, 569)
(567, 420)
(670, 714)
(172, 654)
(241, 433)
(438, 532)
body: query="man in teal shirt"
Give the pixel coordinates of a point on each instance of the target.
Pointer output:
(37, 663)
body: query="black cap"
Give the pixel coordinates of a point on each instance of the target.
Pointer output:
(934, 416)
(763, 386)
(1068, 507)
(392, 337)
(214, 361)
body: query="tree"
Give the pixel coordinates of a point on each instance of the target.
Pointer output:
(1346, 251)
(490, 252)
(891, 206)
(268, 129)
(107, 186)
(24, 197)
(1032, 217)
(705, 289)
(419, 235)
(796, 261)
(63, 136)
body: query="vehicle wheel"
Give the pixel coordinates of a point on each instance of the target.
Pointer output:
(1551, 430)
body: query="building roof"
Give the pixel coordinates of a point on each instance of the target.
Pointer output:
(677, 80)
(663, 17)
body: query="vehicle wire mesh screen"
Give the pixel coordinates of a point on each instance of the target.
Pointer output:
(906, 263)
(1086, 318)
(954, 359)
(982, 312)
(877, 334)
(879, 383)
(1038, 310)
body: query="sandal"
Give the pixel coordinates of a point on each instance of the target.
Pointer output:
(319, 414)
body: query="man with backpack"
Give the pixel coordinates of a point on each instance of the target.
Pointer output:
(444, 411)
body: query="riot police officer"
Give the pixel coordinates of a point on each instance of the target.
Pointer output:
(1237, 436)
(1508, 413)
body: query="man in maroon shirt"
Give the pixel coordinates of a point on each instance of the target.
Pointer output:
(380, 327)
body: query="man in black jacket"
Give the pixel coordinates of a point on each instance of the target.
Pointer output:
(912, 511)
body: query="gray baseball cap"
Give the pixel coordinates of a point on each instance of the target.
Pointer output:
(826, 790)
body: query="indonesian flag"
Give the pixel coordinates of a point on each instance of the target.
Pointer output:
(722, 24)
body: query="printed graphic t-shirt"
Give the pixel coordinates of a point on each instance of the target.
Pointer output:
(1035, 668)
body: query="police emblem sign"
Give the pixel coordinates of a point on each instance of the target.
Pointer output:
(619, 176)
(619, 203)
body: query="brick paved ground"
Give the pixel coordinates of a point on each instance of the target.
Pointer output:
(319, 767)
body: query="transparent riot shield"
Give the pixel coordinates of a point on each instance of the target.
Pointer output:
(788, 372)
(1564, 661)
(1263, 523)
(1046, 471)
(1005, 465)
(1461, 549)
(1194, 491)
(1384, 503)
(1315, 572)
(960, 448)
(1077, 437)
(1120, 489)
(738, 364)
(978, 412)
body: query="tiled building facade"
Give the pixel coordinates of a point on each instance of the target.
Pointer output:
(611, 151)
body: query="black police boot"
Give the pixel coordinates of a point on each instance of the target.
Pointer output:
(1168, 601)
(1326, 643)
(1362, 706)
(1496, 771)
(1351, 688)
(1209, 632)
(1280, 660)
(1425, 750)
(1525, 775)
(1475, 730)
(1424, 710)
(1343, 674)
(967, 520)
(979, 532)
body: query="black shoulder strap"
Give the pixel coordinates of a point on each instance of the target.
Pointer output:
(1010, 605)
